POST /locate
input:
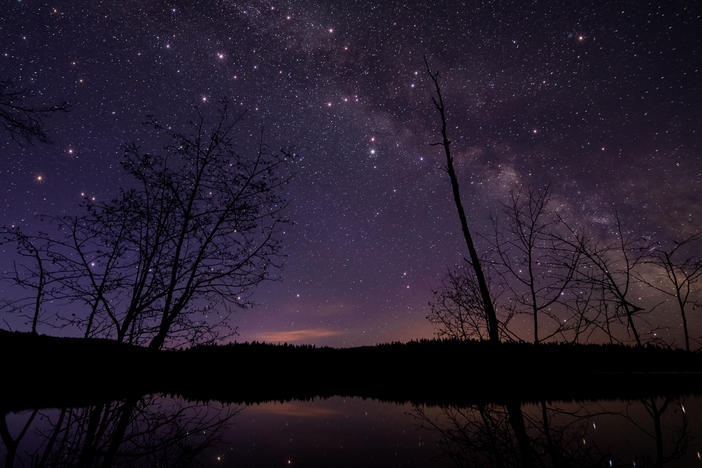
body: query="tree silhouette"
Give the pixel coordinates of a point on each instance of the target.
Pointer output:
(34, 277)
(169, 257)
(490, 316)
(681, 276)
(536, 266)
(457, 310)
(21, 119)
(612, 269)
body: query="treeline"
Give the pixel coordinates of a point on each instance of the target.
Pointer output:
(555, 279)
(428, 371)
(545, 274)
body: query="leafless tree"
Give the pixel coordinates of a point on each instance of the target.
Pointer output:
(34, 276)
(683, 270)
(20, 118)
(536, 265)
(490, 315)
(457, 310)
(169, 258)
(612, 269)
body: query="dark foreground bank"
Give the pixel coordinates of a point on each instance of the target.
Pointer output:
(43, 371)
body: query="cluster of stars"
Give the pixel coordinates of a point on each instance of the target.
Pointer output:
(593, 105)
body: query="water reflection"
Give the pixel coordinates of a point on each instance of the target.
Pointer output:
(148, 431)
(350, 431)
(650, 432)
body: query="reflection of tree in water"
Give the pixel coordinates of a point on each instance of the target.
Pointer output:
(548, 435)
(671, 442)
(136, 432)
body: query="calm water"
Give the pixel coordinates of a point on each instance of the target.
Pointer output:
(164, 431)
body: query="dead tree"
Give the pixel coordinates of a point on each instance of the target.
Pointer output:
(490, 315)
(681, 276)
(612, 269)
(457, 310)
(538, 267)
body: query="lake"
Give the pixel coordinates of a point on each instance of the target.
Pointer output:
(163, 430)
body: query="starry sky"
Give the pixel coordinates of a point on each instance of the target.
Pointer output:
(602, 100)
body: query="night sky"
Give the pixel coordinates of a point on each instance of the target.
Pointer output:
(603, 100)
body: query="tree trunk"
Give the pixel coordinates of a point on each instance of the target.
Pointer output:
(491, 317)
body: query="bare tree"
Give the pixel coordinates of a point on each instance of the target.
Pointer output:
(169, 258)
(589, 313)
(612, 269)
(21, 119)
(490, 315)
(537, 266)
(34, 276)
(681, 275)
(457, 310)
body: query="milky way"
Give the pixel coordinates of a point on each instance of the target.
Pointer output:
(602, 100)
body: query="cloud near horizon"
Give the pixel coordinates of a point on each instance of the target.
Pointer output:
(290, 336)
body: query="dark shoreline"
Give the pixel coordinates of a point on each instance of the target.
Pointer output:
(43, 371)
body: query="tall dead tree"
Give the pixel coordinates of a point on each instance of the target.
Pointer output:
(490, 315)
